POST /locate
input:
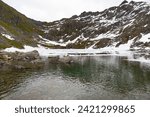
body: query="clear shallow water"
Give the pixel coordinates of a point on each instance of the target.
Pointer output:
(105, 77)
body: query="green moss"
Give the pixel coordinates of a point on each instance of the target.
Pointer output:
(9, 28)
(15, 44)
(6, 43)
(48, 45)
(3, 46)
(29, 41)
(18, 25)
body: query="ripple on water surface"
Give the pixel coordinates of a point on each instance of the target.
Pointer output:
(105, 77)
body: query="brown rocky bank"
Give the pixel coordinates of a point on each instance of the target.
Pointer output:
(20, 60)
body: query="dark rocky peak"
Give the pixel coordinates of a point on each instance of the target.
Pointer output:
(84, 14)
(124, 2)
(132, 2)
(137, 3)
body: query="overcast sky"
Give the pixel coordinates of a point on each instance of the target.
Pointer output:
(50, 10)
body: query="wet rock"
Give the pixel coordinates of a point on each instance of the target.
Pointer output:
(1, 64)
(147, 56)
(4, 56)
(66, 59)
(20, 60)
(19, 67)
(53, 59)
(28, 56)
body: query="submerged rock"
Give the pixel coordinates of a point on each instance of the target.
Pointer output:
(60, 59)
(53, 59)
(66, 59)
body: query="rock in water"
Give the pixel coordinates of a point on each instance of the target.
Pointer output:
(66, 59)
(53, 59)
(28, 56)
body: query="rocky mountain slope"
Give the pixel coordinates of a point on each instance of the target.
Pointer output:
(16, 29)
(124, 26)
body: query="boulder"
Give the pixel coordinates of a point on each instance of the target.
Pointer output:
(20, 60)
(1, 63)
(66, 59)
(28, 56)
(53, 59)
(5, 56)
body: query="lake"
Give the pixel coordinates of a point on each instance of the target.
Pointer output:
(87, 78)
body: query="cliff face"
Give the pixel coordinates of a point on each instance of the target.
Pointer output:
(125, 25)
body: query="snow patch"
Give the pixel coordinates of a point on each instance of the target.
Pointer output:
(107, 35)
(146, 25)
(8, 36)
(108, 22)
(46, 41)
(128, 25)
(61, 40)
(42, 50)
(141, 59)
(112, 51)
(126, 46)
(148, 13)
(145, 38)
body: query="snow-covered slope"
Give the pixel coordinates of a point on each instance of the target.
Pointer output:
(126, 25)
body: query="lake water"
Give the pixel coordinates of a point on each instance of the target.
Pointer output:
(96, 78)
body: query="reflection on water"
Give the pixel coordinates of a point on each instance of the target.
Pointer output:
(105, 77)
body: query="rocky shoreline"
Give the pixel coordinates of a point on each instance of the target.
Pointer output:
(28, 60)
(20, 60)
(33, 60)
